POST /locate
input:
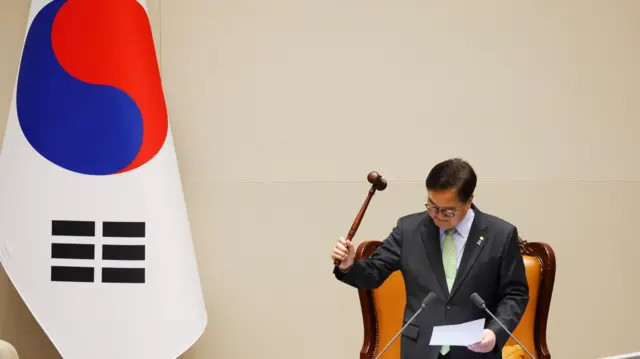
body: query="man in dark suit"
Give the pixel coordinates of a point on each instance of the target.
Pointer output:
(453, 250)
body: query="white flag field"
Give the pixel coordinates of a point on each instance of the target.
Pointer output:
(94, 232)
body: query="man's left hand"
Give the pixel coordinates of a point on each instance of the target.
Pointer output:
(486, 344)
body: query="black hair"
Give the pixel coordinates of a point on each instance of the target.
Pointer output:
(453, 173)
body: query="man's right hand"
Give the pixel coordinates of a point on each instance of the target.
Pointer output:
(345, 252)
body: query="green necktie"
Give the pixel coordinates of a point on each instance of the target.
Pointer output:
(449, 261)
(449, 257)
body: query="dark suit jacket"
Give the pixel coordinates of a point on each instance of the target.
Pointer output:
(494, 269)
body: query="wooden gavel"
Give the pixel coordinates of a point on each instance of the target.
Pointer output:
(377, 184)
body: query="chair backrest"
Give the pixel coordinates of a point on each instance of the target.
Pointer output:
(383, 307)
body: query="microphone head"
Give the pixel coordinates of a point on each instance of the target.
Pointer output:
(428, 299)
(477, 300)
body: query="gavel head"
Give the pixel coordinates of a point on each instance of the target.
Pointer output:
(377, 181)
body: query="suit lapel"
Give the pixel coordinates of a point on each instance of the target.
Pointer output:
(431, 238)
(476, 241)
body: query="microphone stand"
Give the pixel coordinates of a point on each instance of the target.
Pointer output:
(401, 330)
(507, 330)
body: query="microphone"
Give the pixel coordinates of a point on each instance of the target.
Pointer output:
(479, 302)
(427, 300)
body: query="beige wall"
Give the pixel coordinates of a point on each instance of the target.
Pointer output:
(280, 109)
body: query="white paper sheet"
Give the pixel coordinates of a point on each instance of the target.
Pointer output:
(458, 334)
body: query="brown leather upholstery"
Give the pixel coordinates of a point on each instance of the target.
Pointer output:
(383, 307)
(526, 329)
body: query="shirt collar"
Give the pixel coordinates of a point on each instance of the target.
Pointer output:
(464, 227)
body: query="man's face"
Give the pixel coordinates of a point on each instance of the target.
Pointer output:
(445, 208)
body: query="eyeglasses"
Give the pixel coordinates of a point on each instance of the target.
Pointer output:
(446, 212)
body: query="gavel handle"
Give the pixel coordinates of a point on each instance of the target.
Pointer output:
(358, 219)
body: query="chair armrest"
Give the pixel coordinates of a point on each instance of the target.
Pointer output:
(513, 352)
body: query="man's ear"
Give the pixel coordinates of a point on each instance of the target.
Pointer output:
(470, 200)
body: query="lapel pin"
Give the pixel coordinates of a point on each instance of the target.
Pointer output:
(480, 240)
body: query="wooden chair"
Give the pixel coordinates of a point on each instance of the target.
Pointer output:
(383, 307)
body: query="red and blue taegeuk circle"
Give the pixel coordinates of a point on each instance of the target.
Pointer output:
(89, 95)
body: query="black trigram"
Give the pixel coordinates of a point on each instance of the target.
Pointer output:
(75, 230)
